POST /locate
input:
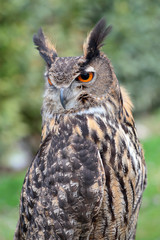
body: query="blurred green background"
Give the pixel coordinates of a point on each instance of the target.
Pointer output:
(134, 50)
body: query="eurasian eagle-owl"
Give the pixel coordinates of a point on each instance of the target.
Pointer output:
(87, 179)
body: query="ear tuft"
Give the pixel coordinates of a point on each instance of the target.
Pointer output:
(46, 49)
(95, 39)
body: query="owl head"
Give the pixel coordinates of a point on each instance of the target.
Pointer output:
(77, 84)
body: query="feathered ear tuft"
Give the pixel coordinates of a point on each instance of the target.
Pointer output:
(95, 39)
(46, 49)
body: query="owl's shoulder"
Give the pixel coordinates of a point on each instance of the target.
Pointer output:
(127, 107)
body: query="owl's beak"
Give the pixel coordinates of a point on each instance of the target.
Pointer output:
(62, 99)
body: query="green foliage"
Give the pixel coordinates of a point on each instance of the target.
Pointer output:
(149, 221)
(10, 188)
(136, 52)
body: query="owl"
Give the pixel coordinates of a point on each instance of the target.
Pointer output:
(87, 179)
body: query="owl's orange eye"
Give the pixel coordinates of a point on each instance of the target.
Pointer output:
(50, 82)
(86, 77)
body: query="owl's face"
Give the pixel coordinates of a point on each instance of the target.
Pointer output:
(74, 84)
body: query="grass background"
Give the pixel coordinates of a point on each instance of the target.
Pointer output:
(149, 218)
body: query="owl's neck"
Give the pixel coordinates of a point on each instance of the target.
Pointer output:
(105, 110)
(111, 107)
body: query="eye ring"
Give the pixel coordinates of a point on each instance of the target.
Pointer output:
(86, 77)
(49, 81)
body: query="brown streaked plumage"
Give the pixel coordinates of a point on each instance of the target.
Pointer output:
(88, 177)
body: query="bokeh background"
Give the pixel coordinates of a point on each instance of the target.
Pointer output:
(134, 50)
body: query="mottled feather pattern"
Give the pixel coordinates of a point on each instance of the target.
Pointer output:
(66, 182)
(72, 182)
(88, 177)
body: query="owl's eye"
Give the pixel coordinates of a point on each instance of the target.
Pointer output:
(50, 83)
(86, 77)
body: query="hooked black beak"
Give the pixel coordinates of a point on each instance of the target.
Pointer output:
(62, 99)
